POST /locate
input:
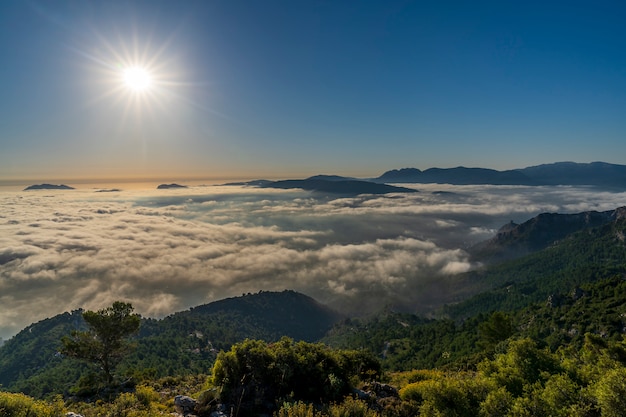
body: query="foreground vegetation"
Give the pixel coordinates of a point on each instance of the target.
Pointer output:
(288, 379)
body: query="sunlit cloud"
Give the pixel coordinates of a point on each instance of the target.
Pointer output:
(168, 251)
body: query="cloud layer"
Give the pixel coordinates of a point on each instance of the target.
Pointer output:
(168, 250)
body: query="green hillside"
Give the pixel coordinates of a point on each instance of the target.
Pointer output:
(407, 341)
(554, 296)
(184, 343)
(584, 256)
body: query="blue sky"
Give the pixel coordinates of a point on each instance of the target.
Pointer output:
(293, 88)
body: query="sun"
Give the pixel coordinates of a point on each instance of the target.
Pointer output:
(137, 79)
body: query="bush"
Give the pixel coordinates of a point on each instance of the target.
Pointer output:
(297, 409)
(20, 405)
(416, 391)
(253, 376)
(146, 396)
(611, 393)
(351, 408)
(522, 365)
(497, 404)
(423, 375)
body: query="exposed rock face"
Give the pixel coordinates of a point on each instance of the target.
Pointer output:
(185, 405)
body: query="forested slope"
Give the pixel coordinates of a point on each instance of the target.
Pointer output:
(181, 344)
(585, 256)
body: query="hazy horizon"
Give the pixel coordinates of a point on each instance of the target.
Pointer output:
(148, 182)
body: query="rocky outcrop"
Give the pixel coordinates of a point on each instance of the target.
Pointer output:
(378, 396)
(380, 390)
(185, 406)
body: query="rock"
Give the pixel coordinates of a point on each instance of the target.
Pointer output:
(577, 293)
(184, 405)
(381, 390)
(221, 408)
(72, 414)
(360, 394)
(554, 300)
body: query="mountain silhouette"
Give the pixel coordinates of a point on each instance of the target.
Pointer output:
(559, 173)
(170, 186)
(48, 187)
(339, 186)
(458, 175)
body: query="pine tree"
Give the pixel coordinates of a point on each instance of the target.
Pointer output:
(106, 340)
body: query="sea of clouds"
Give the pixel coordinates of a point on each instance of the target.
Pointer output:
(168, 250)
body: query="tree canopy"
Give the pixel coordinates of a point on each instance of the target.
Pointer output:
(105, 341)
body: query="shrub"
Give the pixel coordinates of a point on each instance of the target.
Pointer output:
(253, 376)
(416, 391)
(297, 409)
(497, 404)
(522, 365)
(611, 393)
(146, 396)
(417, 375)
(20, 405)
(351, 408)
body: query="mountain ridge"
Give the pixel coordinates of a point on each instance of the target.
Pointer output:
(588, 254)
(516, 240)
(338, 186)
(558, 173)
(48, 187)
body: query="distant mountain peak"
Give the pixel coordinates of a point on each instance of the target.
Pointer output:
(558, 173)
(339, 186)
(48, 187)
(459, 175)
(170, 186)
(330, 178)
